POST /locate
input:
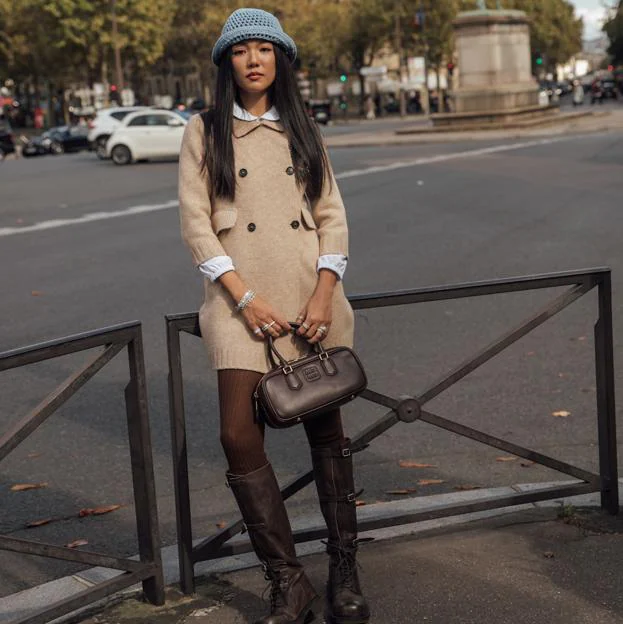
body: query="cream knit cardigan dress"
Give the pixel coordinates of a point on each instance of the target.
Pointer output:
(271, 232)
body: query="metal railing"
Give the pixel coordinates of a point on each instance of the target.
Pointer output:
(148, 569)
(410, 409)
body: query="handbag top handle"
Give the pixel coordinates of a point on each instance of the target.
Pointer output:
(272, 349)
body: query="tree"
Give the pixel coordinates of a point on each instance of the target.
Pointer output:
(614, 29)
(555, 30)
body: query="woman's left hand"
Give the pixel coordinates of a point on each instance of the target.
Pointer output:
(315, 318)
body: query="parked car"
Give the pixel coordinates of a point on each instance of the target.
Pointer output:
(105, 123)
(58, 140)
(147, 134)
(7, 142)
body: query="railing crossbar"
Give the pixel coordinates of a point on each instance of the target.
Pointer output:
(432, 513)
(101, 590)
(477, 289)
(22, 429)
(509, 447)
(68, 554)
(65, 346)
(502, 343)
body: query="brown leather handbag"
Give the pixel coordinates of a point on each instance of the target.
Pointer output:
(296, 391)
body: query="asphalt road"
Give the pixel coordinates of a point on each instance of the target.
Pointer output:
(498, 210)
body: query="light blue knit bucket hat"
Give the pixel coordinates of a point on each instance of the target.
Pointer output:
(244, 24)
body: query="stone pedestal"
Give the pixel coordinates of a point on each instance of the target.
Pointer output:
(495, 77)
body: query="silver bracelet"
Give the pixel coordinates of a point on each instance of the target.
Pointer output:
(246, 299)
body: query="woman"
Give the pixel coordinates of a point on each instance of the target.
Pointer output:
(265, 223)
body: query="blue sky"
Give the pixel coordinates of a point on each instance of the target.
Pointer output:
(593, 12)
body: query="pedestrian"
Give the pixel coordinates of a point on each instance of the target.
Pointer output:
(265, 223)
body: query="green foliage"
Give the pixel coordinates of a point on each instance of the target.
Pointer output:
(614, 29)
(555, 30)
(72, 39)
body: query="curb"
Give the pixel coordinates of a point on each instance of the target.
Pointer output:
(19, 605)
(595, 123)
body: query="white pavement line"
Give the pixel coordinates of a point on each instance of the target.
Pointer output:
(353, 173)
(87, 218)
(426, 160)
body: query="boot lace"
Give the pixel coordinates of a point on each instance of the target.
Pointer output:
(278, 588)
(345, 564)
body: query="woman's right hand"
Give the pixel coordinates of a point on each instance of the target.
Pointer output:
(260, 313)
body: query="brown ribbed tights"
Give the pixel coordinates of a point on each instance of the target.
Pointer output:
(243, 438)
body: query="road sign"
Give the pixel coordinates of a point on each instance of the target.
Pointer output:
(381, 70)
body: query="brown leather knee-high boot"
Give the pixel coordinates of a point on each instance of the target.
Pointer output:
(333, 473)
(292, 597)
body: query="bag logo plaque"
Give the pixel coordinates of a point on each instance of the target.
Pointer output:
(311, 373)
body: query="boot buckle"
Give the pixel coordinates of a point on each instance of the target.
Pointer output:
(351, 497)
(346, 452)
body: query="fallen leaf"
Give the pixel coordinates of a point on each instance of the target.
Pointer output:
(97, 511)
(467, 487)
(430, 481)
(406, 463)
(588, 389)
(359, 503)
(38, 523)
(530, 353)
(19, 221)
(506, 458)
(221, 524)
(33, 455)
(561, 414)
(561, 375)
(76, 543)
(548, 554)
(401, 492)
(526, 464)
(36, 293)
(22, 487)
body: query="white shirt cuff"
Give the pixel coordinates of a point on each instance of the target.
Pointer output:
(215, 267)
(334, 262)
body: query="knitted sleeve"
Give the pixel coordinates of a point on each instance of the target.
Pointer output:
(330, 218)
(194, 196)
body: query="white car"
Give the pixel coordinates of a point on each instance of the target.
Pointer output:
(147, 134)
(106, 121)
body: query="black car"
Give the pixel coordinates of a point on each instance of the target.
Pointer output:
(7, 143)
(58, 140)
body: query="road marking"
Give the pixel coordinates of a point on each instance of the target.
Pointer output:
(87, 218)
(426, 160)
(353, 173)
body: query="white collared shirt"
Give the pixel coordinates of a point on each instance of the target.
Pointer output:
(217, 266)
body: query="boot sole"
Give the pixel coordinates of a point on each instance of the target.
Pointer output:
(331, 619)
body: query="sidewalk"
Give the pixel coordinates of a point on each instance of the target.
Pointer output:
(555, 562)
(567, 123)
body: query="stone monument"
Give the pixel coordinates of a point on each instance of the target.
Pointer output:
(495, 82)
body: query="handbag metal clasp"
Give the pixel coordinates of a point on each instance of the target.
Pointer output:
(287, 369)
(323, 356)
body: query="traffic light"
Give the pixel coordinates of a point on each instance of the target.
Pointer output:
(450, 67)
(343, 78)
(113, 94)
(539, 59)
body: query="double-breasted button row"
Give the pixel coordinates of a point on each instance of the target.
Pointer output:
(295, 225)
(243, 172)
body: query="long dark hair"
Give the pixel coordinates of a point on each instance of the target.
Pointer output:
(308, 155)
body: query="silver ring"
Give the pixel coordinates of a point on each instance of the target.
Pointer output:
(305, 326)
(267, 326)
(322, 329)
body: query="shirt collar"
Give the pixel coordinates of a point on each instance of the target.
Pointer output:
(240, 113)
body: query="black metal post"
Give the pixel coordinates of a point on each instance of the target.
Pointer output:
(606, 413)
(180, 461)
(143, 471)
